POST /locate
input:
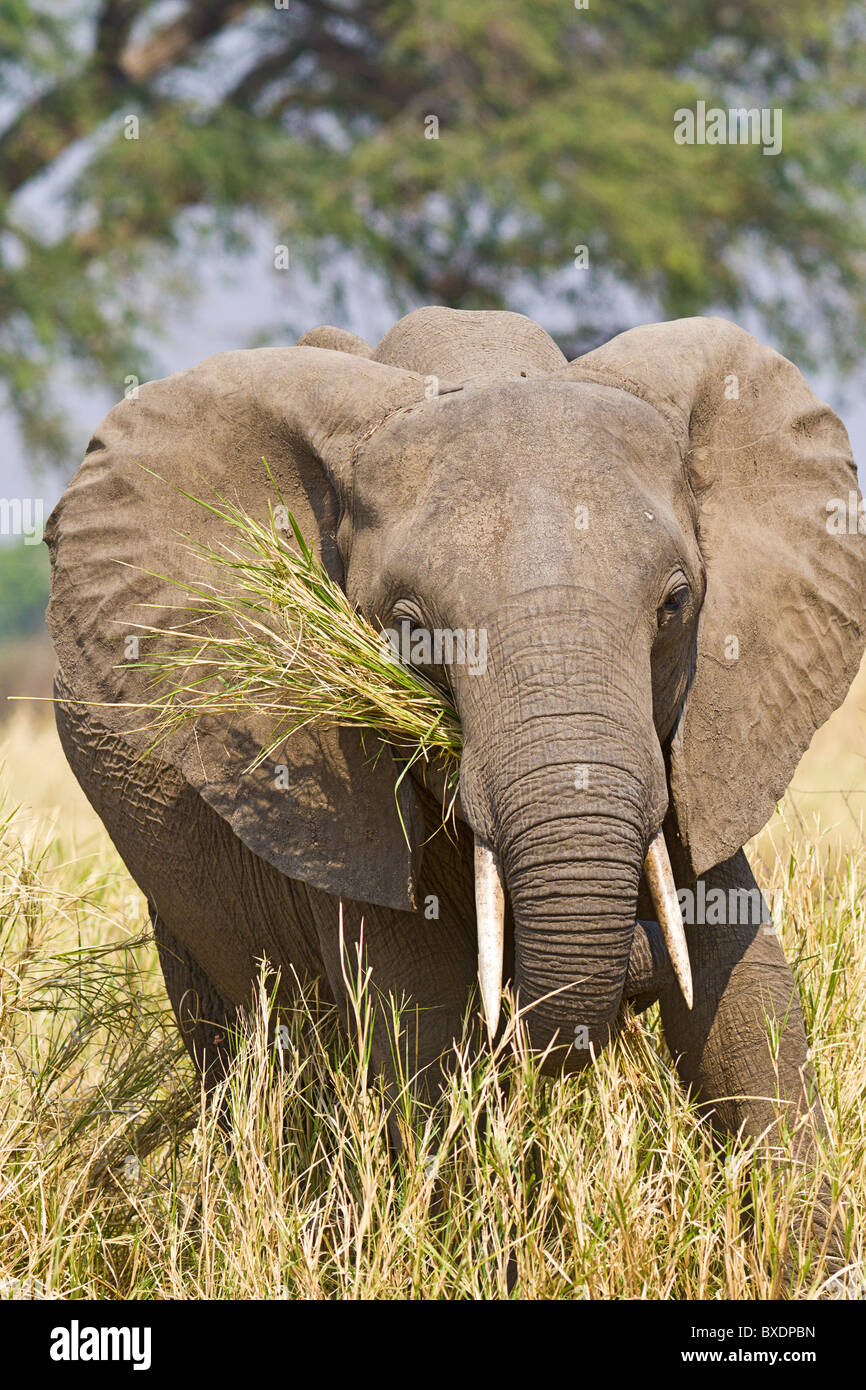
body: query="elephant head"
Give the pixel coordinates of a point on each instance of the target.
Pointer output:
(637, 540)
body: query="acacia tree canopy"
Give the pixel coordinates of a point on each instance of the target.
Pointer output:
(555, 129)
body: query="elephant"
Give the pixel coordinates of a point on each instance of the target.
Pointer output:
(641, 535)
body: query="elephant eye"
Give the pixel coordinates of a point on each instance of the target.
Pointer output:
(405, 611)
(674, 603)
(411, 632)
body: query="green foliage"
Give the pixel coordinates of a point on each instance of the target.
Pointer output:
(555, 130)
(23, 588)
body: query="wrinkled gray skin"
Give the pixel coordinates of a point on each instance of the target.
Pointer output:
(612, 524)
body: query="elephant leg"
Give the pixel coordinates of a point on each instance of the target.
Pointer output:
(205, 1019)
(217, 907)
(742, 1050)
(425, 962)
(419, 977)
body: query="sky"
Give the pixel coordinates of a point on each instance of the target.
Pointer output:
(242, 303)
(246, 301)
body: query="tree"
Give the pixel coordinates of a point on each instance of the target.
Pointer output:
(23, 589)
(464, 151)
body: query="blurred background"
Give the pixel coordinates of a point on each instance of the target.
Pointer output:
(181, 178)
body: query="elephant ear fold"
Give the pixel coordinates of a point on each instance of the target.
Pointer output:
(319, 809)
(781, 631)
(339, 339)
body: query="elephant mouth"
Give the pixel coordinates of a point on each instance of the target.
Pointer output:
(659, 952)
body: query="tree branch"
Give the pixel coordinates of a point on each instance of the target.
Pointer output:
(165, 48)
(115, 20)
(71, 110)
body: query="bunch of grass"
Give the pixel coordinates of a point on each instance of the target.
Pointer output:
(273, 634)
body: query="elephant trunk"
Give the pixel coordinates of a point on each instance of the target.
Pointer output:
(563, 781)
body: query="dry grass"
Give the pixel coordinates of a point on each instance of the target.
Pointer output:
(267, 630)
(116, 1181)
(826, 802)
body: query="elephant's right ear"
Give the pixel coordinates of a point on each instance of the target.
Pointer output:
(783, 623)
(319, 809)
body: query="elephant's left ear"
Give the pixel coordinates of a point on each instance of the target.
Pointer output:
(128, 530)
(783, 623)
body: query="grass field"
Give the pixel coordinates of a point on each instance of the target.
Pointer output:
(117, 1183)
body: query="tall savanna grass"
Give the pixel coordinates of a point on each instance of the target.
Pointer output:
(118, 1180)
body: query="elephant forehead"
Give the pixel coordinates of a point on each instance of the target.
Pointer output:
(498, 434)
(510, 485)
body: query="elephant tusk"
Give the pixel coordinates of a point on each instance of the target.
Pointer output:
(657, 867)
(490, 914)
